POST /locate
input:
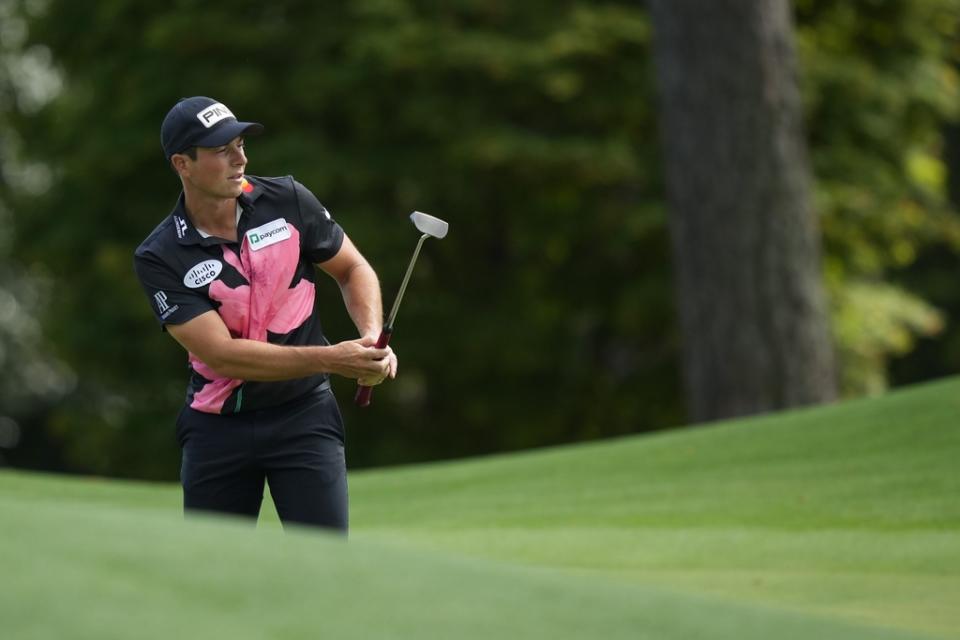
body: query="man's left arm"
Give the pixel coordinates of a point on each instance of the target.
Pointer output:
(361, 294)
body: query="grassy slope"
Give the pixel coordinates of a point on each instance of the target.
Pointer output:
(851, 510)
(829, 523)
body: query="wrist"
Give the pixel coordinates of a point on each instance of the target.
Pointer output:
(372, 331)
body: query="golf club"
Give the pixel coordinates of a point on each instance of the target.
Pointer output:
(430, 227)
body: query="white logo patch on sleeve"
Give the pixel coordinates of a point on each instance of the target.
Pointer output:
(268, 234)
(161, 298)
(202, 274)
(214, 114)
(163, 307)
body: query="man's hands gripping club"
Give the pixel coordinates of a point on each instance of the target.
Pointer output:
(364, 362)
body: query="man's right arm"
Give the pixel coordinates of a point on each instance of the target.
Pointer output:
(207, 337)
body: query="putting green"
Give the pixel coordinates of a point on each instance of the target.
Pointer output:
(836, 522)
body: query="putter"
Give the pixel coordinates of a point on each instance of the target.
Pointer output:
(430, 227)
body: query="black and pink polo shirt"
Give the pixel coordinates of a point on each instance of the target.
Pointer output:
(262, 286)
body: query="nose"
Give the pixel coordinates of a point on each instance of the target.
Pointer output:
(239, 157)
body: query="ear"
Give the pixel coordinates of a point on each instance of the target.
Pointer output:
(179, 162)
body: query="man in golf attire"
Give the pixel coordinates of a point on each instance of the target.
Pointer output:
(230, 275)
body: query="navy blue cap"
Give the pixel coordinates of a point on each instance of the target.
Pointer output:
(201, 122)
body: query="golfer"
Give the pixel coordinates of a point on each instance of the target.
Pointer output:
(230, 275)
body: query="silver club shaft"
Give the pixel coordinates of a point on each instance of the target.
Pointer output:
(403, 285)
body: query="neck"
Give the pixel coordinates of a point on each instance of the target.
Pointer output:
(216, 216)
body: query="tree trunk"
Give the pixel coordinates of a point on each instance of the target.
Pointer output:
(746, 243)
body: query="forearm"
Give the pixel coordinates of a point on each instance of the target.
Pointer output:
(361, 295)
(208, 340)
(242, 359)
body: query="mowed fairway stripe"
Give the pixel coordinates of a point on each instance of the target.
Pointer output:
(98, 572)
(848, 510)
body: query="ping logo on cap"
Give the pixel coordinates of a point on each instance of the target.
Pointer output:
(214, 114)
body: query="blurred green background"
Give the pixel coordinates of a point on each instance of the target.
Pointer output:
(548, 314)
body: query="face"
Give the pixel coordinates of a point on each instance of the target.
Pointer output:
(217, 172)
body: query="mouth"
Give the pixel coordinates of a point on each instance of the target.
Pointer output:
(237, 177)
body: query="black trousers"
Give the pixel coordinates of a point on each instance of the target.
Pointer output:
(298, 448)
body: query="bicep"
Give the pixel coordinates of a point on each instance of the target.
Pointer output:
(345, 261)
(205, 336)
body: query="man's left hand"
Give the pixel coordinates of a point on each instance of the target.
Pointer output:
(391, 359)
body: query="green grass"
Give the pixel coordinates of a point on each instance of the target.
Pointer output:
(837, 522)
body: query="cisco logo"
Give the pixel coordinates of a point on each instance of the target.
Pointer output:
(203, 274)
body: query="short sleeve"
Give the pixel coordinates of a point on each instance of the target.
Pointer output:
(172, 302)
(321, 237)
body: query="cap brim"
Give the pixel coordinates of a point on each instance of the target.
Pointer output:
(227, 132)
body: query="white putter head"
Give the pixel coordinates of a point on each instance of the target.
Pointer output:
(425, 223)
